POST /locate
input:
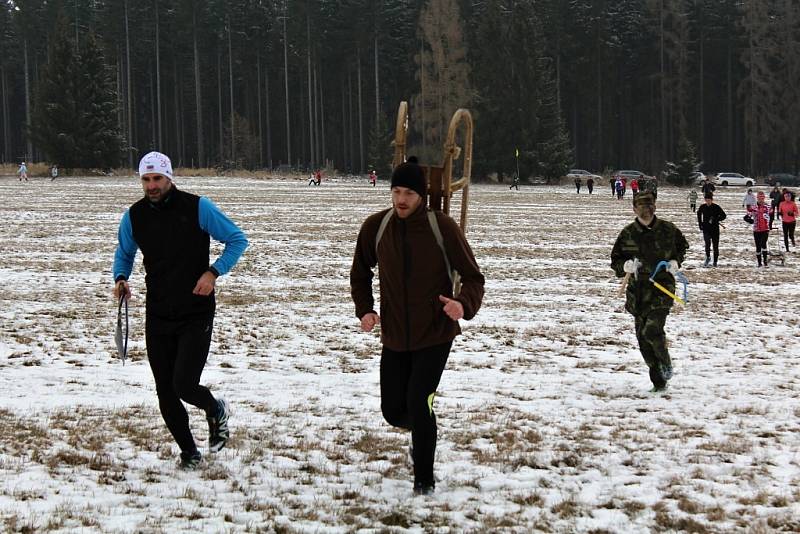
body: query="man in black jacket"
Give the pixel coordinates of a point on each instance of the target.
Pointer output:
(172, 229)
(708, 218)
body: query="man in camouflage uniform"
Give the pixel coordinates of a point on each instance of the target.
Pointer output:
(638, 249)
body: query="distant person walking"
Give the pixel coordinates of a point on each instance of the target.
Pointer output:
(749, 199)
(788, 212)
(578, 185)
(514, 182)
(776, 197)
(634, 186)
(708, 186)
(708, 218)
(640, 246)
(53, 172)
(590, 184)
(620, 188)
(613, 182)
(373, 178)
(692, 198)
(419, 314)
(23, 172)
(759, 213)
(173, 229)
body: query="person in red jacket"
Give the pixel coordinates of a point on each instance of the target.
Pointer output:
(634, 186)
(418, 312)
(788, 213)
(760, 215)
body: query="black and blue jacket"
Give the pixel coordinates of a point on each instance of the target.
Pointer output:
(173, 236)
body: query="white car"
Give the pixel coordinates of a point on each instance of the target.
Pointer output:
(583, 175)
(733, 178)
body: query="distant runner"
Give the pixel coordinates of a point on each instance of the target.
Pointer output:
(692, 198)
(708, 218)
(23, 172)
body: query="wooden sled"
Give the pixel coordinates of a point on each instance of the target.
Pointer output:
(440, 177)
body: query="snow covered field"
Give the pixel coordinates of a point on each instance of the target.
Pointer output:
(545, 418)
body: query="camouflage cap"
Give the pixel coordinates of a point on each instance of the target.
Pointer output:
(644, 197)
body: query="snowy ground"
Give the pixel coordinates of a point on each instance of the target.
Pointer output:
(545, 418)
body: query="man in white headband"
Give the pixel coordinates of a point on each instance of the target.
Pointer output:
(172, 229)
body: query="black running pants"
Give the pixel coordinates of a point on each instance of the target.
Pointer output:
(177, 352)
(711, 237)
(788, 233)
(761, 245)
(408, 384)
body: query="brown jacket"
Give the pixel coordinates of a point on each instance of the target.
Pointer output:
(412, 275)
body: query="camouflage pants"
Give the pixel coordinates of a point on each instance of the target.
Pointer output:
(653, 343)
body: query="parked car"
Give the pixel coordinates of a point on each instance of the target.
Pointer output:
(783, 178)
(629, 175)
(582, 174)
(733, 178)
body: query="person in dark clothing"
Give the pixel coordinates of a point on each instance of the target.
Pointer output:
(640, 246)
(709, 215)
(708, 187)
(172, 229)
(414, 249)
(775, 196)
(577, 185)
(590, 184)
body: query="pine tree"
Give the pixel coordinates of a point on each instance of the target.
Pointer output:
(379, 150)
(100, 141)
(681, 171)
(553, 149)
(74, 122)
(55, 115)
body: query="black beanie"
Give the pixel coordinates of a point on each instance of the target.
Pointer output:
(410, 175)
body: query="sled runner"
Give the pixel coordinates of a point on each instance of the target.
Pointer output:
(120, 338)
(776, 254)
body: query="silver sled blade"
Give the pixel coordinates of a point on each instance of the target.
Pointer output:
(121, 339)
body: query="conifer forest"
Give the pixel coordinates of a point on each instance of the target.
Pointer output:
(305, 84)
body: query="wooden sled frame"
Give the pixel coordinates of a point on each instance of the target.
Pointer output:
(440, 177)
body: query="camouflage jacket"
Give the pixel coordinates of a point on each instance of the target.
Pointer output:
(662, 240)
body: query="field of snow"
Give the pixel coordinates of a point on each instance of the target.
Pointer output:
(545, 419)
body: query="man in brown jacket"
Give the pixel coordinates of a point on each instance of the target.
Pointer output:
(419, 315)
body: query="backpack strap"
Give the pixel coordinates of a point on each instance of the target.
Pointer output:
(437, 233)
(382, 228)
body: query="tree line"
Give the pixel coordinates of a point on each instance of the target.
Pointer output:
(311, 83)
